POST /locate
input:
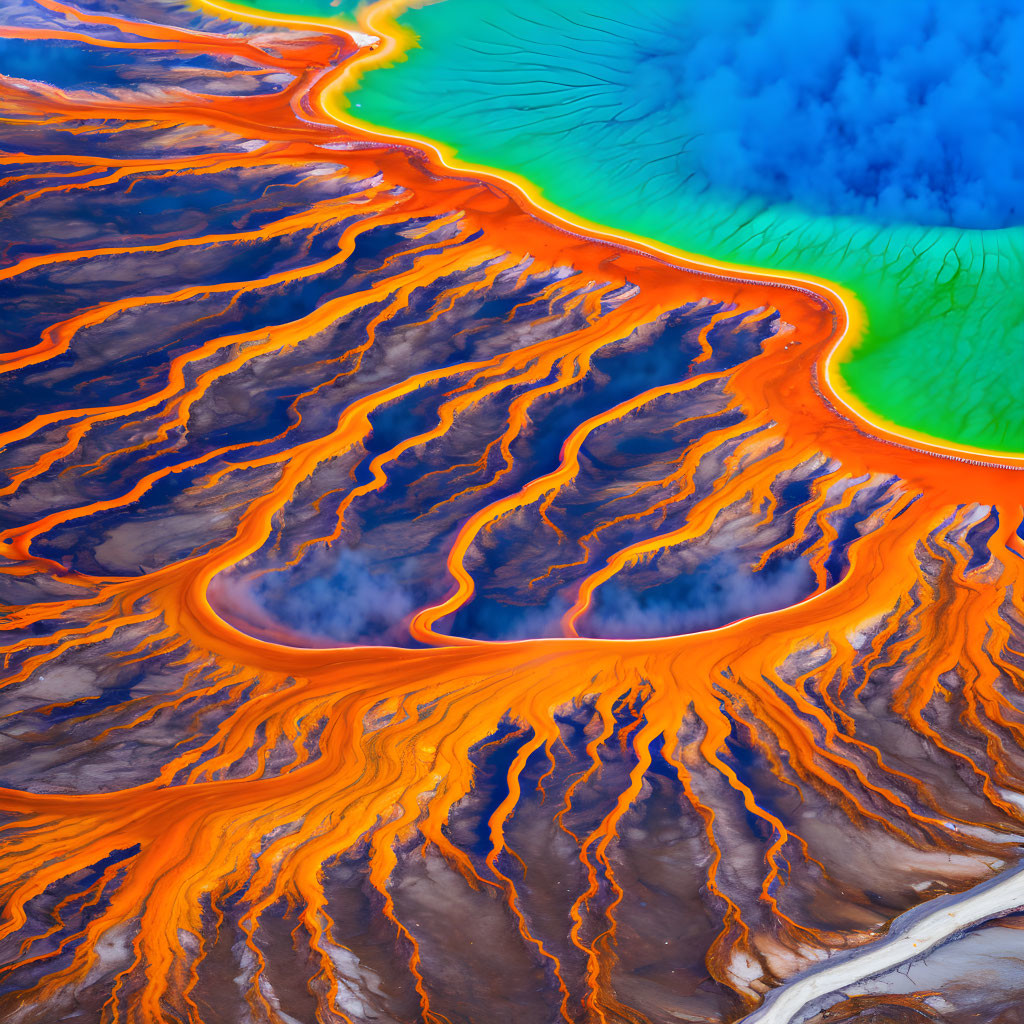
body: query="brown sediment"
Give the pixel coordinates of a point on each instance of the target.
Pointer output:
(394, 761)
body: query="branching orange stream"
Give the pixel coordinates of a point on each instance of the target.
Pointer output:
(384, 741)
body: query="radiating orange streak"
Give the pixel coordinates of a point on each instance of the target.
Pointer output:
(155, 32)
(697, 523)
(89, 417)
(599, 840)
(229, 113)
(724, 944)
(381, 739)
(421, 626)
(268, 155)
(177, 46)
(717, 729)
(515, 422)
(603, 711)
(57, 339)
(679, 483)
(702, 334)
(535, 365)
(496, 825)
(318, 215)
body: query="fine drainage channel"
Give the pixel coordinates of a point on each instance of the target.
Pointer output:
(910, 936)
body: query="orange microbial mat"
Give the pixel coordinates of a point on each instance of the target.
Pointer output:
(420, 606)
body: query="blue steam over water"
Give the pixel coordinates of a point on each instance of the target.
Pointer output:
(908, 111)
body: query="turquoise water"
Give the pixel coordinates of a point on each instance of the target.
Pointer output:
(881, 148)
